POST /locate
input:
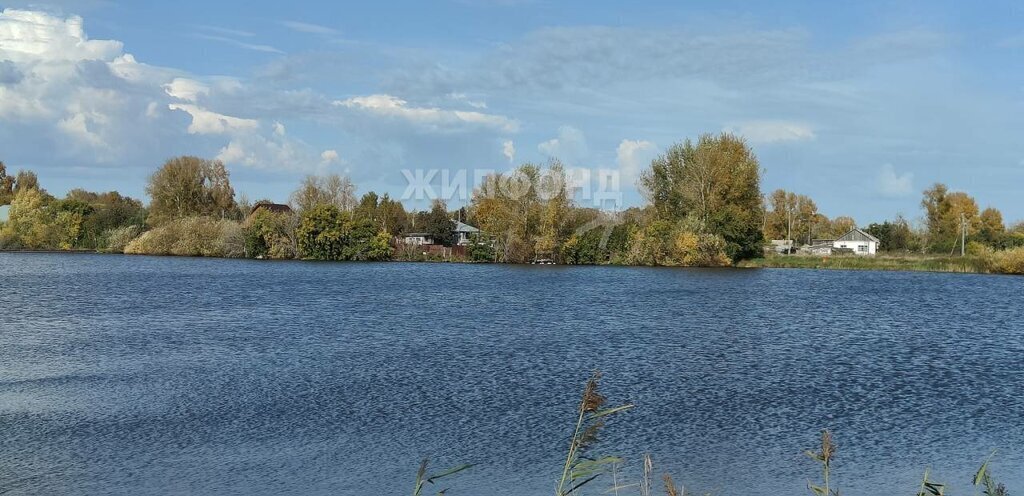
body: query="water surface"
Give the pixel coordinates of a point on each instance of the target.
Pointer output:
(145, 376)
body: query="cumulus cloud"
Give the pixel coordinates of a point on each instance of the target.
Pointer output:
(893, 185)
(186, 89)
(508, 149)
(570, 145)
(9, 73)
(32, 36)
(90, 100)
(329, 157)
(632, 156)
(428, 118)
(208, 122)
(770, 131)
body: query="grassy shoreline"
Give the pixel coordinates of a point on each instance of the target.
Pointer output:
(893, 263)
(900, 263)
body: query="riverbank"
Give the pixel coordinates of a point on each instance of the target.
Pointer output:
(906, 263)
(895, 263)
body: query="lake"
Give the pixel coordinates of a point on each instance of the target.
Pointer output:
(145, 375)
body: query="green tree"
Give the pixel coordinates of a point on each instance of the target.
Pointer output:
(991, 229)
(480, 249)
(26, 179)
(102, 214)
(894, 236)
(189, 187)
(437, 223)
(6, 186)
(840, 226)
(393, 217)
(556, 211)
(326, 232)
(32, 223)
(367, 208)
(525, 212)
(792, 216)
(946, 213)
(270, 234)
(716, 182)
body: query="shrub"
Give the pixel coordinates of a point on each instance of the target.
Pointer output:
(116, 240)
(327, 233)
(700, 250)
(192, 236)
(270, 234)
(1006, 261)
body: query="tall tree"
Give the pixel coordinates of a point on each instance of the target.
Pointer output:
(332, 189)
(26, 179)
(841, 225)
(437, 223)
(393, 217)
(947, 214)
(792, 216)
(893, 236)
(715, 182)
(189, 186)
(554, 191)
(991, 229)
(6, 185)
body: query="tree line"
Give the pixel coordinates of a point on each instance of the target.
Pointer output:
(705, 208)
(948, 218)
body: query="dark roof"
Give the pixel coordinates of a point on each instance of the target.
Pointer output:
(277, 208)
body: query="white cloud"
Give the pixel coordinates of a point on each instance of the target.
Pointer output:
(186, 89)
(256, 47)
(329, 157)
(305, 27)
(266, 152)
(278, 129)
(208, 122)
(893, 185)
(431, 118)
(632, 156)
(570, 145)
(30, 36)
(90, 101)
(464, 98)
(508, 149)
(772, 131)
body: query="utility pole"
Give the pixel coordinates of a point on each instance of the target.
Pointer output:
(963, 233)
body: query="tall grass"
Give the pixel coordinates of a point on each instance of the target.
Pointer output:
(192, 236)
(581, 467)
(973, 264)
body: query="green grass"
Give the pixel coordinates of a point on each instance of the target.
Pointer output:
(922, 263)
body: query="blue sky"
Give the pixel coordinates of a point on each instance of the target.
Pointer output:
(861, 106)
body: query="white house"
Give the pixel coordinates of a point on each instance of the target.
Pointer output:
(857, 240)
(5, 213)
(418, 239)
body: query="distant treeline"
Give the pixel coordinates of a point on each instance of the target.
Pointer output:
(705, 208)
